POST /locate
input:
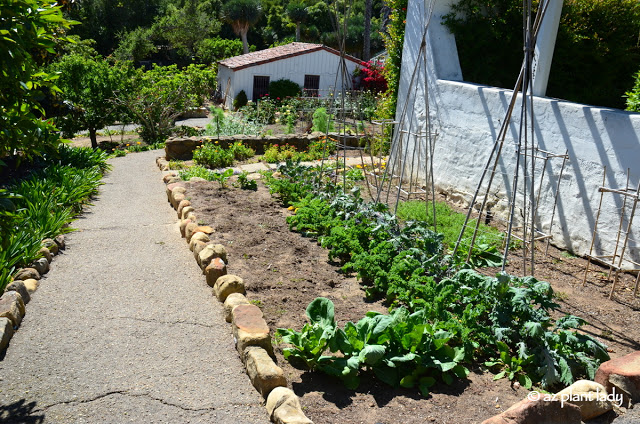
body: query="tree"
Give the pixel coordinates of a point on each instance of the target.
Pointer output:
(135, 45)
(29, 30)
(89, 85)
(211, 50)
(595, 55)
(160, 95)
(366, 43)
(297, 13)
(105, 20)
(242, 14)
(178, 24)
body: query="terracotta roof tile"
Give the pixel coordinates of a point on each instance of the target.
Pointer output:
(277, 53)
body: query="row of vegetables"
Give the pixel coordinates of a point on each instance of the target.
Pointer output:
(444, 317)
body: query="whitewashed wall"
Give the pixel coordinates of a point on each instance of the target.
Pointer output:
(294, 68)
(467, 117)
(225, 76)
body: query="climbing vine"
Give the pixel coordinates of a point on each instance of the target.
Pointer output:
(393, 40)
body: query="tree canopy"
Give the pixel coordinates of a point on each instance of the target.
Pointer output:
(29, 32)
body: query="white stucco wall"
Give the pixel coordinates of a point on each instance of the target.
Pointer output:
(322, 63)
(225, 76)
(467, 118)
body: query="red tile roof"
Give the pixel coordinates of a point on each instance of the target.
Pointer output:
(277, 53)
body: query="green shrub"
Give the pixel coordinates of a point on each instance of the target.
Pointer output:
(321, 121)
(241, 152)
(283, 88)
(212, 155)
(240, 100)
(30, 30)
(633, 96)
(316, 150)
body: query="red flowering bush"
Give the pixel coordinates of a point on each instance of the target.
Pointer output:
(372, 78)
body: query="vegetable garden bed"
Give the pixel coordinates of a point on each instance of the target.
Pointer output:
(284, 272)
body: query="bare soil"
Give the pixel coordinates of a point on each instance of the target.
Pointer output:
(284, 272)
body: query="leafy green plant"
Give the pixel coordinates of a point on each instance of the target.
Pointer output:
(196, 171)
(322, 121)
(245, 183)
(401, 349)
(511, 366)
(177, 164)
(240, 100)
(212, 155)
(449, 223)
(314, 338)
(30, 31)
(280, 153)
(282, 88)
(241, 152)
(43, 203)
(633, 96)
(222, 177)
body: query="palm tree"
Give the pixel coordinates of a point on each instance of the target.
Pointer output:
(242, 14)
(366, 47)
(297, 12)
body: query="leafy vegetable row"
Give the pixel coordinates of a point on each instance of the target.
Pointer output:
(443, 324)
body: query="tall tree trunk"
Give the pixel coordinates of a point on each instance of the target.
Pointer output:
(245, 44)
(297, 31)
(366, 43)
(94, 139)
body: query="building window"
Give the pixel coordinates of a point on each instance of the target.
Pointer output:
(260, 86)
(311, 85)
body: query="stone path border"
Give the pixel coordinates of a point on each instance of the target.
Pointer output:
(250, 330)
(18, 293)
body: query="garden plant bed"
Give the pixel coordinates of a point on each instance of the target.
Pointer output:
(284, 272)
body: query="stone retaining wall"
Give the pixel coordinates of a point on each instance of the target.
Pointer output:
(181, 148)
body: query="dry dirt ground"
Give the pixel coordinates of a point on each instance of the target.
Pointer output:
(284, 272)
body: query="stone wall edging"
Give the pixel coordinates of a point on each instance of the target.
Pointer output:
(18, 293)
(250, 331)
(181, 148)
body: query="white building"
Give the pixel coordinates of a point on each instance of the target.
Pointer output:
(316, 68)
(466, 119)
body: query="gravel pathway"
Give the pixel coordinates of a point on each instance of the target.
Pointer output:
(124, 328)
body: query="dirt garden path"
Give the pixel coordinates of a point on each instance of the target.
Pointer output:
(124, 327)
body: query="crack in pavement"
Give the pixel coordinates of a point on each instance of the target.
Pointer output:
(157, 321)
(123, 393)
